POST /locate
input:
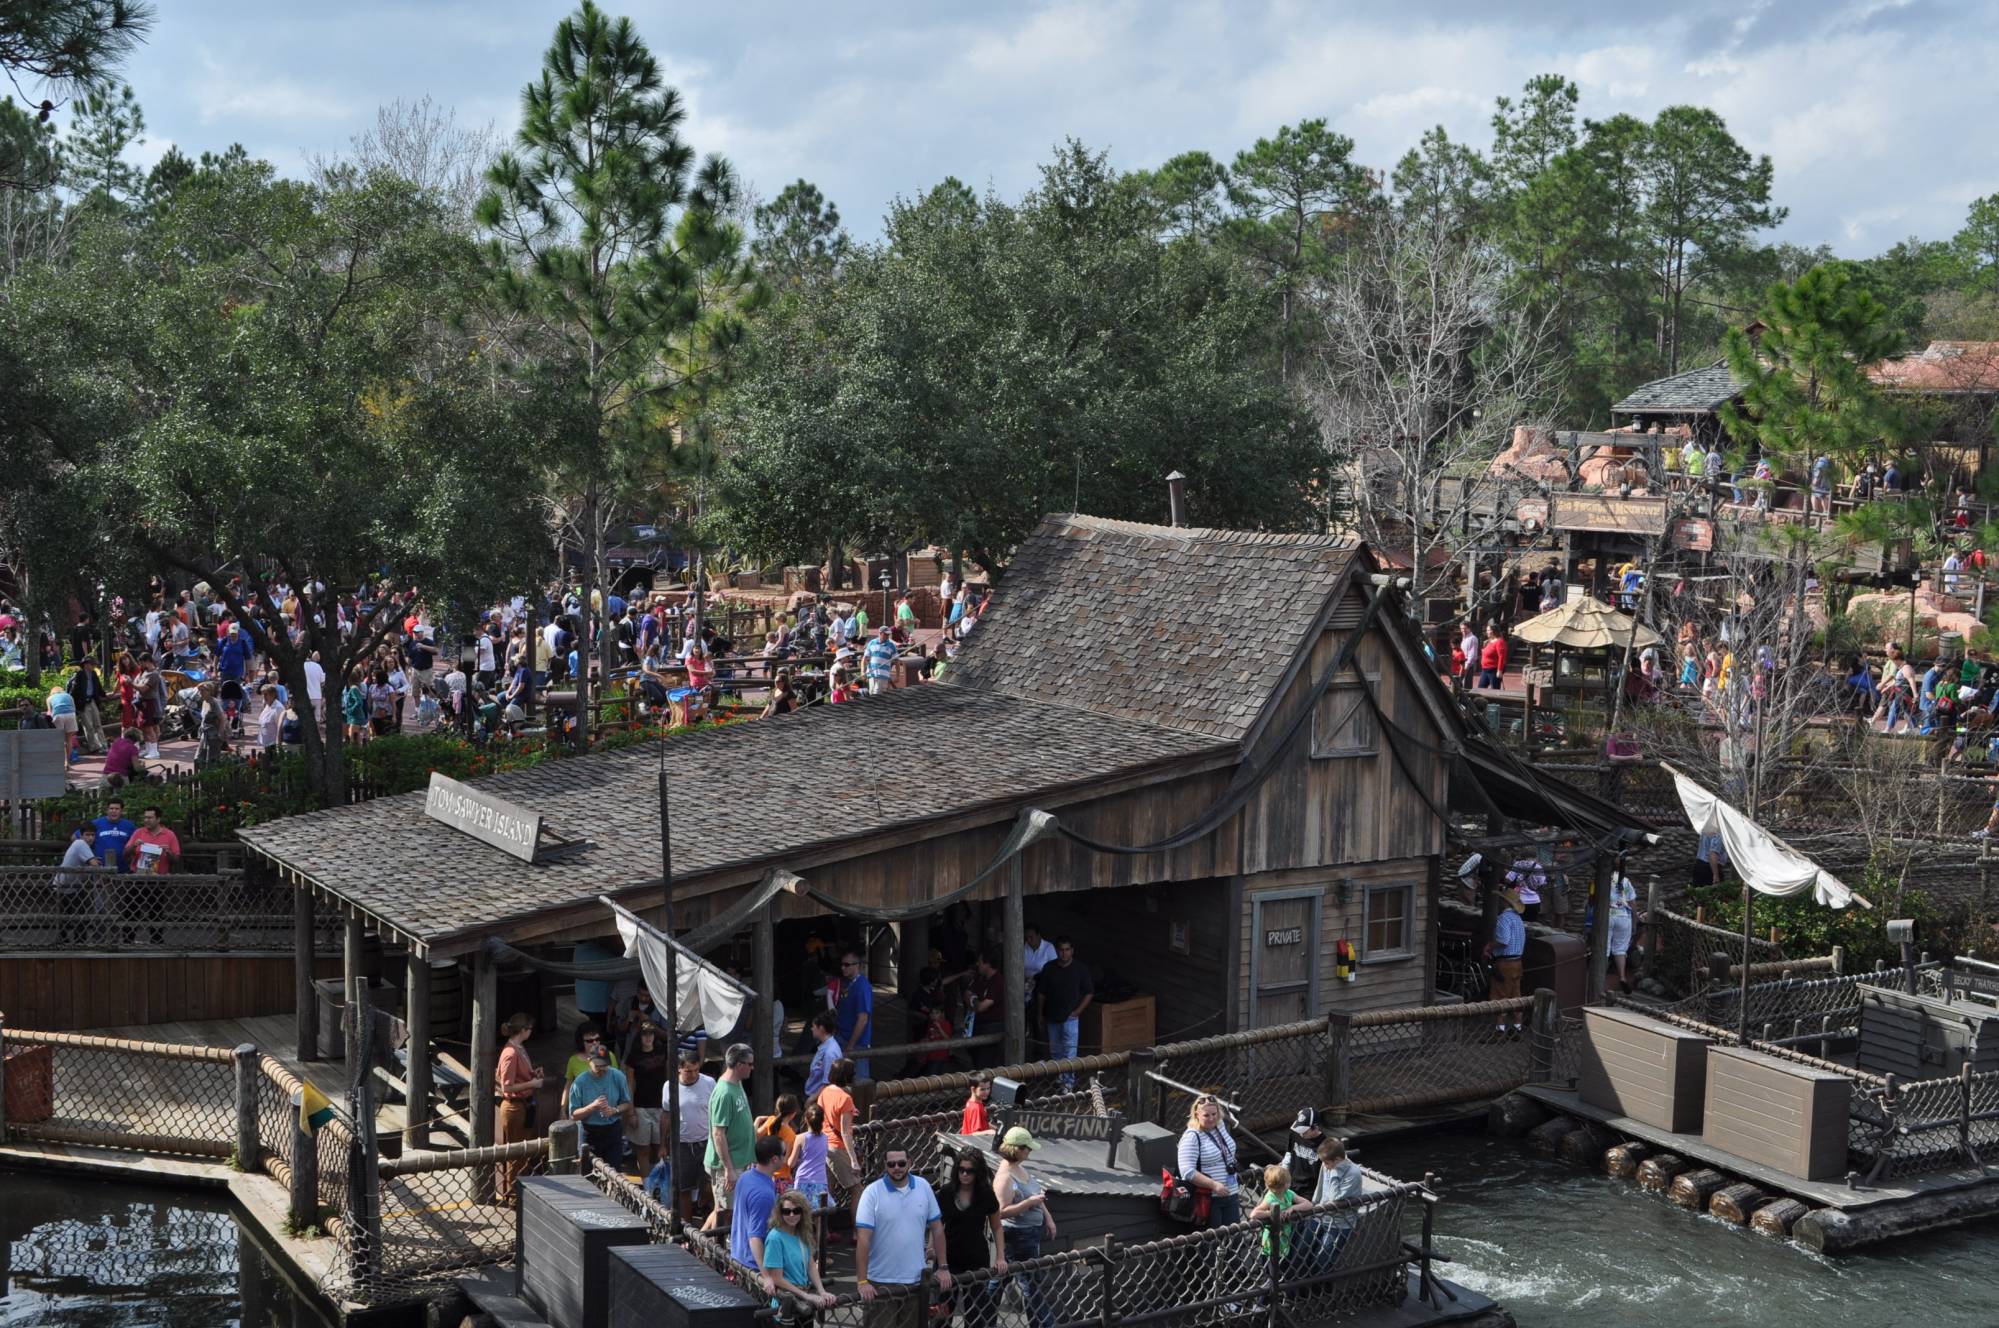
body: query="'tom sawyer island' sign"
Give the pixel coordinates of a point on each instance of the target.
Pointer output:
(507, 826)
(1608, 513)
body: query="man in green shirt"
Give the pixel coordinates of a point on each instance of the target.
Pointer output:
(732, 1135)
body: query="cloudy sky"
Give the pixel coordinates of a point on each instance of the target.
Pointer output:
(1879, 114)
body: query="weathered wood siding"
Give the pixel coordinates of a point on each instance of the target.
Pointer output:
(1776, 1112)
(1650, 1071)
(1378, 984)
(1308, 812)
(62, 995)
(1920, 1037)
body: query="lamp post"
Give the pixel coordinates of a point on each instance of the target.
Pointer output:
(885, 581)
(468, 664)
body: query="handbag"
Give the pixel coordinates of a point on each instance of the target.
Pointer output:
(1181, 1202)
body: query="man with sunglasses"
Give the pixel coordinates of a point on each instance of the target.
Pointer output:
(854, 1016)
(897, 1224)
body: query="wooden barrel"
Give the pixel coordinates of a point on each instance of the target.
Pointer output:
(1736, 1203)
(1583, 1145)
(1692, 1189)
(1547, 1136)
(1777, 1217)
(1657, 1172)
(1621, 1160)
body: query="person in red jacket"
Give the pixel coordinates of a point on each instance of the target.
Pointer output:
(1492, 657)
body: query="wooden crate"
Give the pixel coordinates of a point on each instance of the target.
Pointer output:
(1639, 1067)
(1116, 1025)
(1777, 1112)
(1922, 1037)
(30, 1083)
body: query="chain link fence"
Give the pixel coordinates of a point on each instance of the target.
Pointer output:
(1912, 1129)
(154, 1097)
(935, 1094)
(54, 910)
(1680, 950)
(1308, 1266)
(1794, 1013)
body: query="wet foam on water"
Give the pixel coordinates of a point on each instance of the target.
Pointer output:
(1566, 1248)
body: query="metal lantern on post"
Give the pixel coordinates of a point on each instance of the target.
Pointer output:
(468, 663)
(886, 580)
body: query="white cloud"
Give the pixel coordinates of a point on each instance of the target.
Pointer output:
(236, 95)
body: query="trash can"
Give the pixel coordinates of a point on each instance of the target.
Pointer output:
(1559, 962)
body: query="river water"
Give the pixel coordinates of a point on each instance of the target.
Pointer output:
(89, 1254)
(1565, 1248)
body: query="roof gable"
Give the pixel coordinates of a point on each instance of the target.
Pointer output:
(1188, 629)
(1696, 391)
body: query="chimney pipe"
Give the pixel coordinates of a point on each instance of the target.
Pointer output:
(1176, 498)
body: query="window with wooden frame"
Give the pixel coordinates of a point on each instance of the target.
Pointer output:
(1388, 924)
(1343, 723)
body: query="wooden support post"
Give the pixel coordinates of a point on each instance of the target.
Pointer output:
(249, 1145)
(3, 1077)
(485, 1055)
(1599, 931)
(352, 981)
(1016, 950)
(563, 1137)
(1339, 1064)
(304, 1207)
(1544, 1024)
(1655, 912)
(912, 940)
(763, 977)
(305, 951)
(416, 1078)
(1140, 1091)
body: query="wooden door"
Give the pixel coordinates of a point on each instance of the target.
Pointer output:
(1284, 957)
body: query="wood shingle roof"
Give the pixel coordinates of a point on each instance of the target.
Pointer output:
(743, 795)
(1187, 629)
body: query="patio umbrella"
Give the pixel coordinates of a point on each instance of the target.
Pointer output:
(1586, 624)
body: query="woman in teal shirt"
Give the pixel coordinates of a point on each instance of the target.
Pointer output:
(791, 1261)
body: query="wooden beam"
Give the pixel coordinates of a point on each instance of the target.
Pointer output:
(1016, 953)
(354, 942)
(485, 1045)
(763, 977)
(304, 995)
(416, 1080)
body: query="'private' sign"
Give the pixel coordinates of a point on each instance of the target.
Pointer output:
(510, 828)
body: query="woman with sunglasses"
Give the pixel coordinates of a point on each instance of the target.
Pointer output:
(1024, 1219)
(972, 1236)
(791, 1261)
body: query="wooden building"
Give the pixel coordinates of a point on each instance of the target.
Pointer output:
(1211, 756)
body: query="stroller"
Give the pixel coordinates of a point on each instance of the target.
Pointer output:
(183, 718)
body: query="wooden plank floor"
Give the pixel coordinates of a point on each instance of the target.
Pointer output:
(1825, 1193)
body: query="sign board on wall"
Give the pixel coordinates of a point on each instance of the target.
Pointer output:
(1284, 936)
(507, 826)
(34, 763)
(1693, 534)
(1608, 513)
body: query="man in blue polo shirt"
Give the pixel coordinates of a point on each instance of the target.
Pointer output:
(895, 1219)
(1508, 943)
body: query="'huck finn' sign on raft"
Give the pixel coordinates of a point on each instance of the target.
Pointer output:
(511, 828)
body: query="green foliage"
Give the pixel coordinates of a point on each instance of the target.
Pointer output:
(94, 168)
(988, 363)
(70, 43)
(1808, 928)
(1806, 393)
(1976, 247)
(799, 237)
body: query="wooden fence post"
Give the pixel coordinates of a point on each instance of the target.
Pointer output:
(485, 1061)
(562, 1142)
(1140, 1091)
(416, 1074)
(305, 948)
(1543, 1027)
(1339, 1064)
(305, 1173)
(249, 1146)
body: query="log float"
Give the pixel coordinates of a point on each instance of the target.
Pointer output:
(1514, 1115)
(1777, 1217)
(1547, 1136)
(1657, 1173)
(1622, 1160)
(1835, 1231)
(1692, 1189)
(1583, 1145)
(1736, 1203)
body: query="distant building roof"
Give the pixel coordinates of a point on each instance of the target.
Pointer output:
(1188, 629)
(1943, 366)
(741, 795)
(1695, 392)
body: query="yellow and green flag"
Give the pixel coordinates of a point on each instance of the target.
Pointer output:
(314, 1110)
